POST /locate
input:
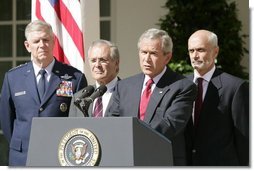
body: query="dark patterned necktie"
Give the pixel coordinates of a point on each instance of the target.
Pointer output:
(42, 84)
(98, 108)
(145, 99)
(198, 101)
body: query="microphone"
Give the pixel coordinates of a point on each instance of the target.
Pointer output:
(87, 91)
(97, 93)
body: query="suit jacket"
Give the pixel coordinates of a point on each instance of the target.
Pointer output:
(76, 112)
(20, 103)
(168, 111)
(222, 133)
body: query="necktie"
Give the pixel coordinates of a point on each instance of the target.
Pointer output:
(145, 99)
(98, 108)
(198, 101)
(42, 83)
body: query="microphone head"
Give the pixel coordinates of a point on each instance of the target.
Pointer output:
(102, 89)
(97, 93)
(88, 90)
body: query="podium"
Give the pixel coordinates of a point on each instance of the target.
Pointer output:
(105, 141)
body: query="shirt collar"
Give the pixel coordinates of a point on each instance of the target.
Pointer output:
(206, 77)
(155, 79)
(48, 69)
(110, 86)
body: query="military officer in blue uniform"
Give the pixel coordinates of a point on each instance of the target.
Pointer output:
(21, 97)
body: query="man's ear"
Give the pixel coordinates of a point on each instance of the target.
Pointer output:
(27, 46)
(168, 56)
(217, 49)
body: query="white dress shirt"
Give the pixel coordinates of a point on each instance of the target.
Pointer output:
(48, 73)
(107, 95)
(155, 80)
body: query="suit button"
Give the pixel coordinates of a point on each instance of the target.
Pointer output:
(41, 109)
(194, 151)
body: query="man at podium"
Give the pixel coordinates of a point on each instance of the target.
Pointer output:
(160, 97)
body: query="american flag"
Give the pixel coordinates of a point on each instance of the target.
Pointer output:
(65, 19)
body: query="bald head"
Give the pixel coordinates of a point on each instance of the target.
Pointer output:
(203, 50)
(206, 36)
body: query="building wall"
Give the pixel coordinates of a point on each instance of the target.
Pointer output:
(131, 18)
(244, 16)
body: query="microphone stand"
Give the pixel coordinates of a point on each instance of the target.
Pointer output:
(82, 107)
(85, 105)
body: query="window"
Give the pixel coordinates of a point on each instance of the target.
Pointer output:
(14, 16)
(105, 19)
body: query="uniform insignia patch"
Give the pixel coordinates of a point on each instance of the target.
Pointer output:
(63, 107)
(20, 93)
(66, 77)
(65, 89)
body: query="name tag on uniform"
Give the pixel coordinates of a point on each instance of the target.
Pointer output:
(20, 93)
(65, 89)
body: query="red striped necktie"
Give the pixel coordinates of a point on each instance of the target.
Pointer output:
(145, 99)
(98, 108)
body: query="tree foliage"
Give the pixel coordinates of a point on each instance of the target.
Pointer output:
(186, 16)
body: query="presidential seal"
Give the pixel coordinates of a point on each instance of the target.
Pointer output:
(78, 147)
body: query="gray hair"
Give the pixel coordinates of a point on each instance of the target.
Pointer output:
(213, 39)
(38, 25)
(114, 52)
(153, 33)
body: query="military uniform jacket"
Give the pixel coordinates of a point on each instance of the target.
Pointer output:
(20, 103)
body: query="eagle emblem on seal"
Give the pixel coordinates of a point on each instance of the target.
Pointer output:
(79, 152)
(78, 147)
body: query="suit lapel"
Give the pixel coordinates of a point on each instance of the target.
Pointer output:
(216, 79)
(136, 96)
(212, 96)
(111, 99)
(155, 99)
(109, 104)
(162, 87)
(31, 82)
(214, 86)
(53, 82)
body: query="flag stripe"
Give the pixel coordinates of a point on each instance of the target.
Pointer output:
(75, 8)
(58, 51)
(70, 24)
(67, 28)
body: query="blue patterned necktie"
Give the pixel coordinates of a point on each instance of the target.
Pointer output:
(42, 83)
